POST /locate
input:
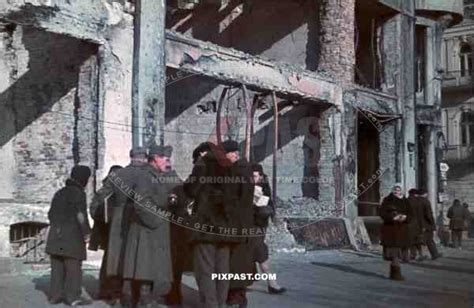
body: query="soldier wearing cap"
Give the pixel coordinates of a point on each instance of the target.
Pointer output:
(120, 184)
(147, 259)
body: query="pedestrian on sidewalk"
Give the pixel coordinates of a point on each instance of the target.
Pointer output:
(458, 216)
(443, 230)
(262, 214)
(68, 234)
(428, 225)
(396, 214)
(415, 226)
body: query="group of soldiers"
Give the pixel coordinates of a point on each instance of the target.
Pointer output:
(153, 227)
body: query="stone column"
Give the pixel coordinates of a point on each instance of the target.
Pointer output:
(337, 53)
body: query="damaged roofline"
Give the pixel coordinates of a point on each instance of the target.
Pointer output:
(227, 65)
(234, 67)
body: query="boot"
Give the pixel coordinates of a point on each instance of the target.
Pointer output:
(396, 273)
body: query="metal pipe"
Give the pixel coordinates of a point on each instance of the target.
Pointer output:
(252, 115)
(248, 110)
(275, 145)
(218, 116)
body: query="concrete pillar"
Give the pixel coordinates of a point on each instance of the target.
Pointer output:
(407, 96)
(149, 70)
(337, 54)
(432, 167)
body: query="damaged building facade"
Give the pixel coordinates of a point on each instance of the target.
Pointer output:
(354, 87)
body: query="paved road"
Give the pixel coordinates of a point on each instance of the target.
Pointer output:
(336, 278)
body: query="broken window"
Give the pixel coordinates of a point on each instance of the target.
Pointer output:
(368, 68)
(420, 64)
(467, 128)
(465, 55)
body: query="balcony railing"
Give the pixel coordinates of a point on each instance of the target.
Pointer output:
(458, 153)
(457, 78)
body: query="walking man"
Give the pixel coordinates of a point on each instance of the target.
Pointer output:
(68, 234)
(458, 216)
(428, 225)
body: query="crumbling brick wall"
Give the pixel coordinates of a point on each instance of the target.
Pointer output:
(337, 55)
(48, 124)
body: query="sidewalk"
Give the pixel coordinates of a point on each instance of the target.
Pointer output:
(335, 278)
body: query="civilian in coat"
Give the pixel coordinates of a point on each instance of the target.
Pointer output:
(110, 287)
(214, 216)
(396, 214)
(181, 247)
(147, 258)
(458, 216)
(415, 227)
(262, 215)
(239, 196)
(66, 244)
(428, 225)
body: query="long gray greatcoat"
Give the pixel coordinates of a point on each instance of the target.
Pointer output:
(67, 232)
(121, 184)
(148, 253)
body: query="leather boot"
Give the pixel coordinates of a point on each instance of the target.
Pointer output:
(396, 273)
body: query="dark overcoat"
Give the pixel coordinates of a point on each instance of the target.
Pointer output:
(241, 198)
(68, 231)
(415, 226)
(148, 252)
(100, 230)
(393, 233)
(214, 207)
(458, 217)
(181, 248)
(428, 222)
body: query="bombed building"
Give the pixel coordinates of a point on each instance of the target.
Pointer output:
(338, 100)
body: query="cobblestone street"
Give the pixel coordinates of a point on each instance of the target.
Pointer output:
(330, 278)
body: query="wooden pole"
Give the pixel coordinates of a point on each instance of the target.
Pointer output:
(148, 73)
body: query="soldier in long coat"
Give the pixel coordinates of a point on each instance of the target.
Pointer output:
(66, 244)
(396, 214)
(121, 184)
(148, 257)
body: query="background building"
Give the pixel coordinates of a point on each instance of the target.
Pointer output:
(458, 107)
(357, 83)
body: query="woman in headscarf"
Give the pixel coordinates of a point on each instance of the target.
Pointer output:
(396, 214)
